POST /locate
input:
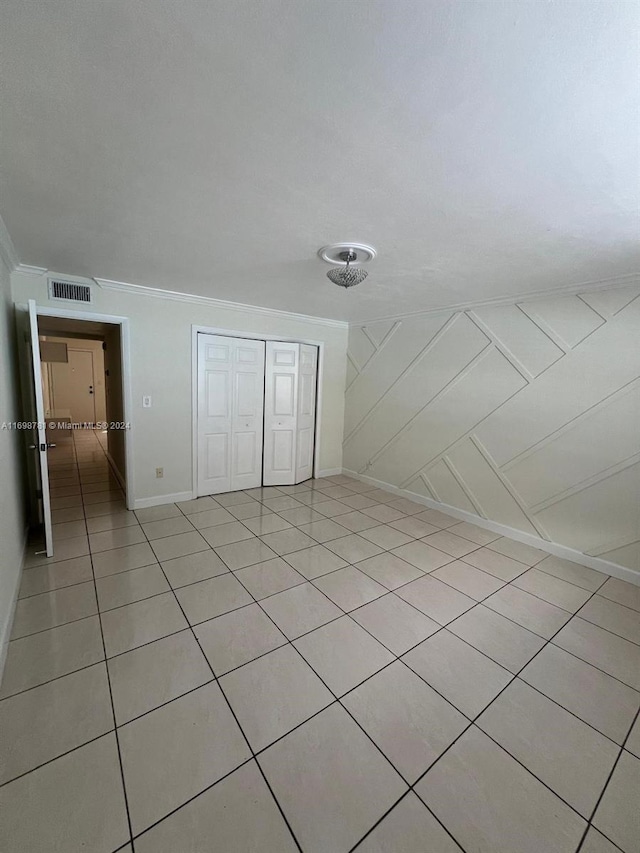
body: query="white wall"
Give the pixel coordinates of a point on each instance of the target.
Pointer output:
(12, 512)
(160, 332)
(527, 415)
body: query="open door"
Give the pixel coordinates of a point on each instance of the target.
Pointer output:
(39, 441)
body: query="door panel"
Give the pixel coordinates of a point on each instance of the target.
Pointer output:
(248, 395)
(215, 368)
(245, 453)
(218, 397)
(281, 387)
(220, 352)
(247, 413)
(282, 452)
(284, 402)
(248, 354)
(217, 456)
(230, 411)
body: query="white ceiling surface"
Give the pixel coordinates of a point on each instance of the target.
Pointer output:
(485, 148)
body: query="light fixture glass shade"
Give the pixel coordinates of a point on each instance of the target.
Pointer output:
(347, 276)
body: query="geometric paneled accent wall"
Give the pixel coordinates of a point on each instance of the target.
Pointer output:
(525, 414)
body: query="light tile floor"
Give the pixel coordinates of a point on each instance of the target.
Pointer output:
(323, 668)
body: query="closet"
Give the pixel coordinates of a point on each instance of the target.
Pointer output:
(256, 413)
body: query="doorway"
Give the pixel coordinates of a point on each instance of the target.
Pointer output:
(255, 403)
(76, 398)
(73, 377)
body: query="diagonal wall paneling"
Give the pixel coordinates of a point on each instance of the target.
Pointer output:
(448, 354)
(527, 414)
(384, 371)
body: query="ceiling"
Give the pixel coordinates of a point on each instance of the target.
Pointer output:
(486, 149)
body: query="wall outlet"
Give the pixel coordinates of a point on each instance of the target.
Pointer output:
(146, 402)
(159, 473)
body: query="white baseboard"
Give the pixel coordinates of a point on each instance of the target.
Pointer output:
(562, 551)
(158, 500)
(329, 472)
(5, 630)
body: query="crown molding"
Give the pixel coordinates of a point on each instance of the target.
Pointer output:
(626, 280)
(159, 293)
(27, 269)
(7, 249)
(566, 290)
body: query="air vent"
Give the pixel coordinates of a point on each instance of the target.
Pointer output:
(69, 291)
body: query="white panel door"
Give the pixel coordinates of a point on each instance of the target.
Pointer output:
(230, 411)
(73, 386)
(247, 411)
(306, 421)
(280, 413)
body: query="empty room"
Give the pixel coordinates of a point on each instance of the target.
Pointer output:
(320, 426)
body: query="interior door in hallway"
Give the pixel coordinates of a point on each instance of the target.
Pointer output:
(230, 413)
(73, 386)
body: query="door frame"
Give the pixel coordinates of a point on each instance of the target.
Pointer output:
(127, 397)
(255, 336)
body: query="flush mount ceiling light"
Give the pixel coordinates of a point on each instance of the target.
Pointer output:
(347, 258)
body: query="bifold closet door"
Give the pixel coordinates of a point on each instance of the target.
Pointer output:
(289, 414)
(230, 413)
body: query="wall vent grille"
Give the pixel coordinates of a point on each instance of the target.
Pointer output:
(69, 291)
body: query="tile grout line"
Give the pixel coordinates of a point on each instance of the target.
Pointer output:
(337, 699)
(473, 723)
(606, 785)
(106, 666)
(231, 710)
